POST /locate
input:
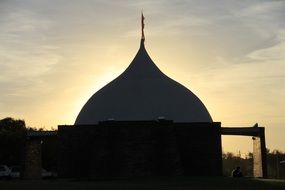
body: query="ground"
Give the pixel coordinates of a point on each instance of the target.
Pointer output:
(156, 183)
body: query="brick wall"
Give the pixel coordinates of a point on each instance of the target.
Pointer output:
(140, 148)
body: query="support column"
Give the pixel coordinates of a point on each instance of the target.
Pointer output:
(32, 162)
(259, 155)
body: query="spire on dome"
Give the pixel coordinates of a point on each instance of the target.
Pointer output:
(142, 26)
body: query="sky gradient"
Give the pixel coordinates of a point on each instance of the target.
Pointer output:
(55, 54)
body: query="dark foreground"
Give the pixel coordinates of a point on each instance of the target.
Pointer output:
(155, 183)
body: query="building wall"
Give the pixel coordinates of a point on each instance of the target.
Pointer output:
(140, 148)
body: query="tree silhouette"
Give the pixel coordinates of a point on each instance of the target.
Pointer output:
(12, 136)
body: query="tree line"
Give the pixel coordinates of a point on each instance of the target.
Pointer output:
(12, 139)
(13, 134)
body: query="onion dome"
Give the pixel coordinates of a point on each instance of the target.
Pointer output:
(143, 92)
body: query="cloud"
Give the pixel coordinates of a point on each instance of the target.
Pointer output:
(23, 45)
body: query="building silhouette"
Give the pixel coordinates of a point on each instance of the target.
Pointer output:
(142, 123)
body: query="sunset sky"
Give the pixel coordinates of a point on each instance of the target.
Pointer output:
(54, 54)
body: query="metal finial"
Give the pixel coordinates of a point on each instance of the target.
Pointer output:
(142, 25)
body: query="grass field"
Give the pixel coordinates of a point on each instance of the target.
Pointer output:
(156, 183)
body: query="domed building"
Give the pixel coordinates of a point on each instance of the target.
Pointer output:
(142, 123)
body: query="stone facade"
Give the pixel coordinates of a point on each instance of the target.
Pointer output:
(259, 155)
(32, 160)
(140, 148)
